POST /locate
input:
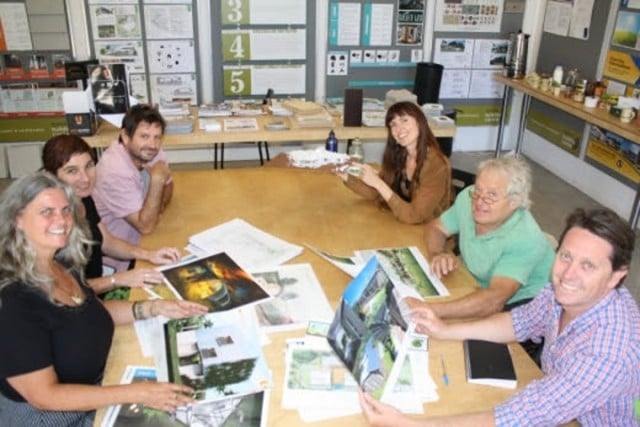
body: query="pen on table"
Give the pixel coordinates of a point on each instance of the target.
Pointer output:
(445, 377)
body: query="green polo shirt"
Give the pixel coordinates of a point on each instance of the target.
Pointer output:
(518, 249)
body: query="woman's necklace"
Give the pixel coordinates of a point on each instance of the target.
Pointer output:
(77, 299)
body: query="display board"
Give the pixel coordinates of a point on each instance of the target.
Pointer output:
(264, 44)
(470, 40)
(155, 39)
(374, 45)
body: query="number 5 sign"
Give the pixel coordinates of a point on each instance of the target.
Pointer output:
(237, 81)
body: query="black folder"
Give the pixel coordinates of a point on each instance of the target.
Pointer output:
(489, 363)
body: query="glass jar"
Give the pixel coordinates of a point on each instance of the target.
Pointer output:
(356, 151)
(578, 92)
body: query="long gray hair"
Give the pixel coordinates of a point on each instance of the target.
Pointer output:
(17, 256)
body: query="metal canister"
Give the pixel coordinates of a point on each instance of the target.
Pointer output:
(516, 64)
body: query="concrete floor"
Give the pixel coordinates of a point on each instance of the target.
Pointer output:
(553, 199)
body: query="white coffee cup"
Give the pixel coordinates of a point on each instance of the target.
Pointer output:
(590, 102)
(627, 114)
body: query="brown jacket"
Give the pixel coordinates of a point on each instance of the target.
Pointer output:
(430, 198)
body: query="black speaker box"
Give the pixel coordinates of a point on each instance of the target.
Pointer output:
(427, 82)
(352, 115)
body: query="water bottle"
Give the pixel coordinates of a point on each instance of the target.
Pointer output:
(332, 142)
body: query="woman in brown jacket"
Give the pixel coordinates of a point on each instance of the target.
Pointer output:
(415, 179)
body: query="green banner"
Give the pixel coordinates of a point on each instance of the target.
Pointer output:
(479, 115)
(23, 129)
(554, 131)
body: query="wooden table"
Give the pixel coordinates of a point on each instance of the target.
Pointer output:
(596, 116)
(308, 206)
(107, 133)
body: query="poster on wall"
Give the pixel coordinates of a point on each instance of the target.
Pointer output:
(626, 33)
(171, 56)
(622, 66)
(568, 18)
(454, 53)
(168, 88)
(483, 85)
(175, 21)
(489, 53)
(455, 84)
(128, 52)
(115, 22)
(614, 154)
(14, 27)
(344, 24)
(410, 22)
(377, 27)
(469, 15)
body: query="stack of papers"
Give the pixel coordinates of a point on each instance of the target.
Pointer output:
(240, 124)
(249, 246)
(373, 118)
(214, 110)
(173, 109)
(279, 109)
(209, 124)
(313, 120)
(246, 109)
(299, 106)
(178, 125)
(315, 158)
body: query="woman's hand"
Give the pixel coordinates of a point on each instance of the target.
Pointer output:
(341, 171)
(164, 256)
(163, 396)
(369, 175)
(176, 309)
(139, 277)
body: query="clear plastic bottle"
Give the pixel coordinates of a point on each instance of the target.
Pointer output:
(332, 142)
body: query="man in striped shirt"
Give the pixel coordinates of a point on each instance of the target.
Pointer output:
(591, 327)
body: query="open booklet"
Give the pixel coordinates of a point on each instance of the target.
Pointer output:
(217, 354)
(320, 387)
(407, 268)
(369, 332)
(247, 410)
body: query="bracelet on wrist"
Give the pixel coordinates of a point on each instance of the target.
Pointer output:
(137, 310)
(113, 283)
